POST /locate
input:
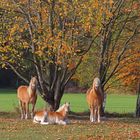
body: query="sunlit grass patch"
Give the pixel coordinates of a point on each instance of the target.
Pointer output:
(115, 103)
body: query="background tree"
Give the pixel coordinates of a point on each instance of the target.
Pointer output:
(115, 41)
(50, 38)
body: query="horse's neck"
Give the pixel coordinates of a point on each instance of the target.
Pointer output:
(60, 109)
(31, 90)
(97, 91)
(63, 113)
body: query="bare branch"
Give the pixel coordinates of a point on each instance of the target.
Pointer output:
(18, 74)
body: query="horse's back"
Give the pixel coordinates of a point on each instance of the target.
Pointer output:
(22, 93)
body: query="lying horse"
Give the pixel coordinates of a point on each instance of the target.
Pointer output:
(95, 99)
(26, 95)
(49, 117)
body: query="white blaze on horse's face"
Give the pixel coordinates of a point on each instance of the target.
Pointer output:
(96, 83)
(34, 82)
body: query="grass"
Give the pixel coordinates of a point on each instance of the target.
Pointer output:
(115, 103)
(111, 129)
(12, 128)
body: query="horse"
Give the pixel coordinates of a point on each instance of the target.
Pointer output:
(27, 95)
(94, 97)
(60, 116)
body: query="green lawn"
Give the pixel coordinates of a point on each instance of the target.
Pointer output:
(12, 128)
(115, 103)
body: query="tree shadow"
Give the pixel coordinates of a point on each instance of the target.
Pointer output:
(9, 115)
(116, 117)
(83, 117)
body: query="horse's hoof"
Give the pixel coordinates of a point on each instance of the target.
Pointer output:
(26, 117)
(22, 117)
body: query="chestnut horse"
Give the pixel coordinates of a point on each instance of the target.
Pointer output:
(27, 95)
(95, 100)
(50, 117)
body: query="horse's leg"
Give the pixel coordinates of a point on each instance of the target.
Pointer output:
(33, 107)
(24, 109)
(44, 123)
(27, 110)
(61, 122)
(21, 109)
(94, 114)
(98, 114)
(57, 121)
(91, 114)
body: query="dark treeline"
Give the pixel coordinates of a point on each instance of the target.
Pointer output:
(8, 79)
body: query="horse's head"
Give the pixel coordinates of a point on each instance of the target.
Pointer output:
(67, 107)
(33, 82)
(96, 83)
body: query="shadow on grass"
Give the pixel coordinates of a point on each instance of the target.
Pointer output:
(124, 117)
(84, 116)
(107, 114)
(9, 115)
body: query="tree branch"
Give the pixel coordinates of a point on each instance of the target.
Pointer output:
(120, 55)
(73, 71)
(18, 74)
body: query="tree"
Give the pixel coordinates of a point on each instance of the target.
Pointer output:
(138, 100)
(116, 39)
(49, 38)
(129, 70)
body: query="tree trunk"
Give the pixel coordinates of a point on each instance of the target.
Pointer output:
(53, 97)
(104, 104)
(57, 101)
(138, 100)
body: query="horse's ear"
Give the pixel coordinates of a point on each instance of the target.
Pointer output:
(33, 76)
(67, 103)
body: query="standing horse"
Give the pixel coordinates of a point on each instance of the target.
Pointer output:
(50, 117)
(95, 99)
(27, 95)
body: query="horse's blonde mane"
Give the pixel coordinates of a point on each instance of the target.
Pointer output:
(34, 88)
(60, 108)
(96, 81)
